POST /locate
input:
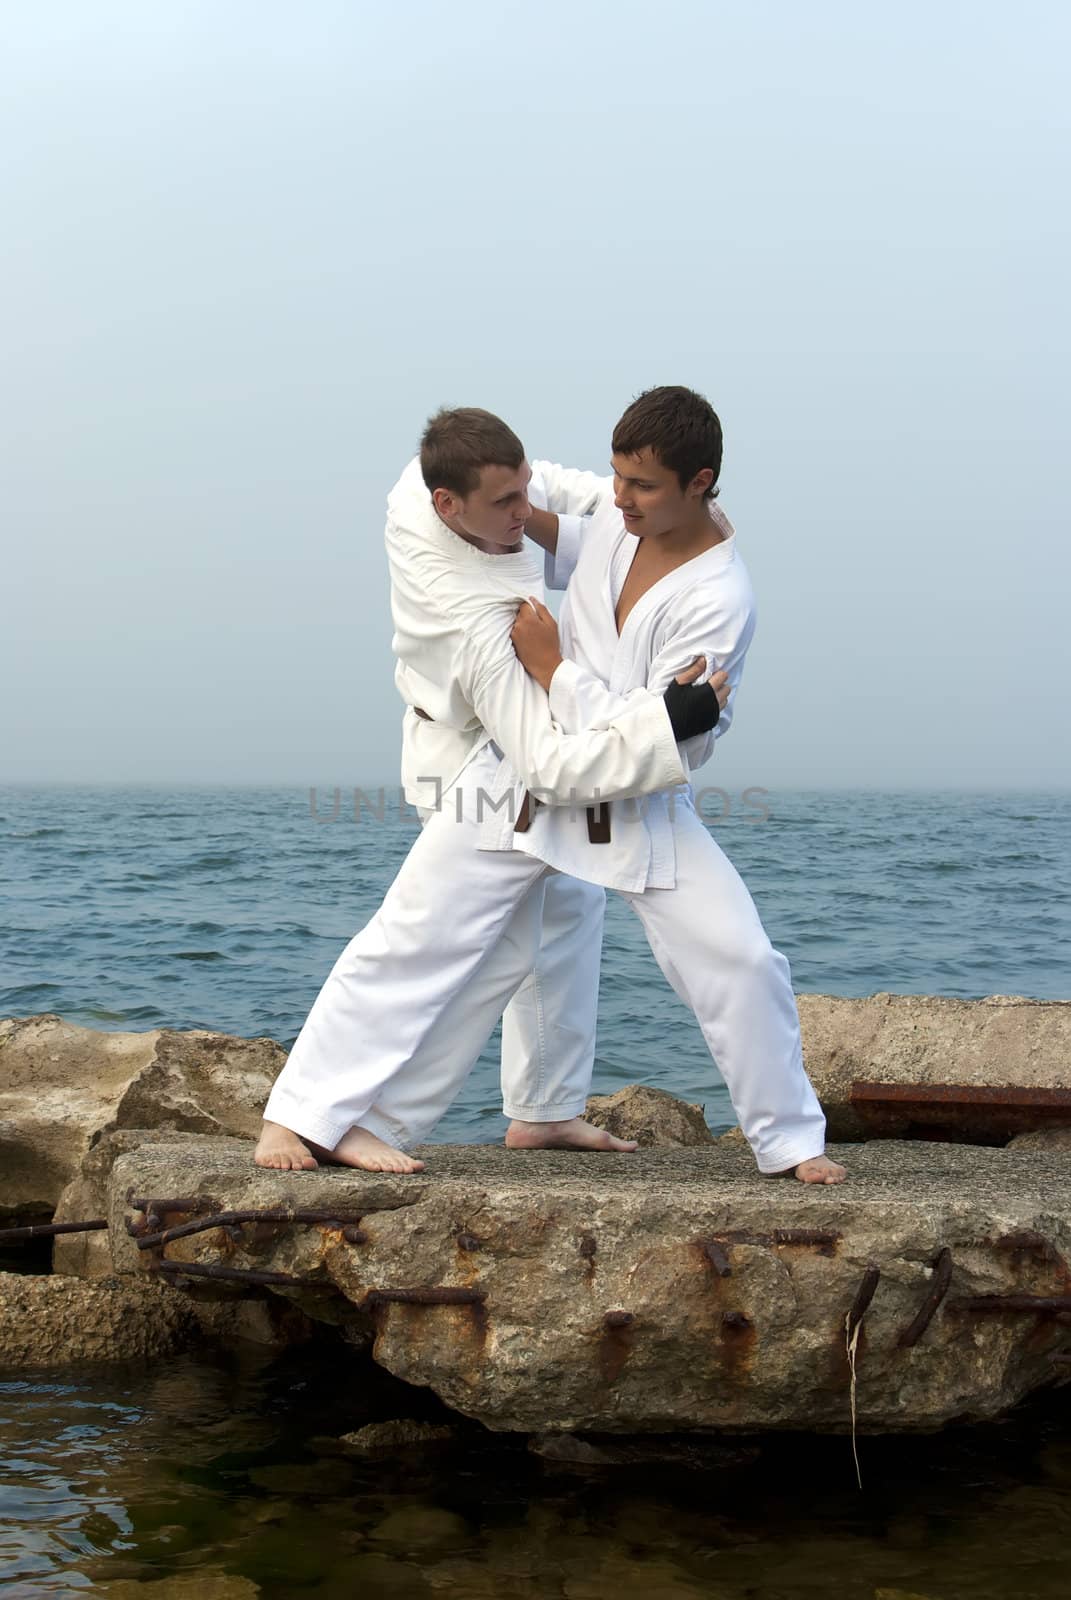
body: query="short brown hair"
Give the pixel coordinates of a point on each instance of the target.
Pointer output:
(679, 426)
(459, 443)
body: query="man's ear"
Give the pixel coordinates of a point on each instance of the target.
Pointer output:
(445, 503)
(701, 482)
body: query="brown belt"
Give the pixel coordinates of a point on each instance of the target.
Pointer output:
(598, 819)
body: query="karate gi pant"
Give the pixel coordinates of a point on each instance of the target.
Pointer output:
(413, 998)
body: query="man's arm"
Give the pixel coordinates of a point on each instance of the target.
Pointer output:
(713, 626)
(561, 498)
(632, 753)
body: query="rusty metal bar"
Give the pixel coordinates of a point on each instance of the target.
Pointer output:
(49, 1230)
(196, 1269)
(468, 1241)
(439, 1296)
(228, 1219)
(618, 1319)
(717, 1256)
(738, 1321)
(189, 1202)
(1014, 1302)
(941, 1110)
(863, 1296)
(942, 1277)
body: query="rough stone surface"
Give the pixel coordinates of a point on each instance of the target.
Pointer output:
(597, 1305)
(63, 1085)
(1042, 1139)
(52, 1322)
(655, 1119)
(89, 1255)
(907, 1039)
(199, 1585)
(390, 1438)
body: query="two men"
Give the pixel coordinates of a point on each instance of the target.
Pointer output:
(493, 893)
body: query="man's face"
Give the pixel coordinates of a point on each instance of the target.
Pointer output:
(649, 495)
(498, 508)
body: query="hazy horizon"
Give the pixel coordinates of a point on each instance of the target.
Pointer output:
(251, 247)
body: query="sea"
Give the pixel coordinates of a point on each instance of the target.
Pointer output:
(225, 908)
(219, 1473)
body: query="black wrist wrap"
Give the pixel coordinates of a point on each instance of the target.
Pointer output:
(693, 708)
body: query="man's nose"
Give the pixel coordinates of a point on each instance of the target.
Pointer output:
(525, 512)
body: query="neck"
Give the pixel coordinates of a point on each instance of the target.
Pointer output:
(692, 536)
(479, 544)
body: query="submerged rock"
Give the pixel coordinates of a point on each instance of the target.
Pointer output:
(402, 1434)
(560, 1292)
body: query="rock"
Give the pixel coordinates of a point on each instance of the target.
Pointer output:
(1002, 1042)
(199, 1585)
(566, 1449)
(64, 1085)
(88, 1255)
(52, 1321)
(390, 1438)
(655, 1119)
(1042, 1139)
(736, 1288)
(420, 1526)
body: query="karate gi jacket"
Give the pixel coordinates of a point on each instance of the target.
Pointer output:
(453, 608)
(704, 607)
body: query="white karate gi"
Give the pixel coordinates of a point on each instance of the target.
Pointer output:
(413, 997)
(699, 918)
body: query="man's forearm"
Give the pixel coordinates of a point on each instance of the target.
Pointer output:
(542, 529)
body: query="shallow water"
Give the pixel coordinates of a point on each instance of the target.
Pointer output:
(222, 1467)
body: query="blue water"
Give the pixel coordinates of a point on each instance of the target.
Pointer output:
(225, 909)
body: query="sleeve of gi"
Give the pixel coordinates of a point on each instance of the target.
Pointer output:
(632, 752)
(573, 495)
(708, 627)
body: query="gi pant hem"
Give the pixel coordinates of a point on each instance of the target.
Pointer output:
(562, 1111)
(304, 1121)
(790, 1155)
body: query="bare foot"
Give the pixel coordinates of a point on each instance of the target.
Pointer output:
(576, 1134)
(359, 1148)
(819, 1169)
(280, 1148)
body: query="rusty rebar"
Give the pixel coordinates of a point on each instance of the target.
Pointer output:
(717, 1256)
(618, 1319)
(1014, 1302)
(49, 1230)
(437, 1296)
(197, 1269)
(863, 1296)
(942, 1277)
(737, 1321)
(230, 1219)
(189, 1202)
(468, 1241)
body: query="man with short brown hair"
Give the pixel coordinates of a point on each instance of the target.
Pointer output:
(414, 996)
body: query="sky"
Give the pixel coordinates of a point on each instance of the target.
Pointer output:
(251, 244)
